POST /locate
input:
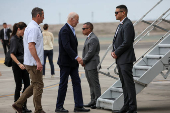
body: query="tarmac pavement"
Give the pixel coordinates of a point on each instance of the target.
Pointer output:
(155, 98)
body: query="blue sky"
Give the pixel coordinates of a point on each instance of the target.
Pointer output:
(12, 11)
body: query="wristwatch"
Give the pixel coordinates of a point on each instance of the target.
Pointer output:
(19, 63)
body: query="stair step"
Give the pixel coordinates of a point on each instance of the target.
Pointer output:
(115, 89)
(142, 67)
(164, 45)
(107, 100)
(154, 56)
(136, 80)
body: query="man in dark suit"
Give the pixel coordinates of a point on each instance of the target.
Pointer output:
(68, 62)
(123, 52)
(5, 36)
(91, 59)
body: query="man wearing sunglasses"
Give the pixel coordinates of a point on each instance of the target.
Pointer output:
(91, 59)
(123, 52)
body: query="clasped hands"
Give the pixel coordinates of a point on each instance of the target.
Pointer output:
(113, 55)
(80, 61)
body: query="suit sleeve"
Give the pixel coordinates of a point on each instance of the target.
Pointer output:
(113, 45)
(91, 52)
(127, 40)
(66, 44)
(10, 31)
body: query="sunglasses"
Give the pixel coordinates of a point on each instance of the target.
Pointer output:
(84, 28)
(118, 12)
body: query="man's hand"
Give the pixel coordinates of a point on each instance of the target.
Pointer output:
(1, 41)
(83, 65)
(39, 66)
(80, 61)
(113, 55)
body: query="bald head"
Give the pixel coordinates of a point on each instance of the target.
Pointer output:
(73, 19)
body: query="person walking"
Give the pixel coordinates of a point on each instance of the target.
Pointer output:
(5, 36)
(33, 61)
(124, 54)
(48, 39)
(17, 55)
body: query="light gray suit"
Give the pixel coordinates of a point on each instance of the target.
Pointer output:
(91, 59)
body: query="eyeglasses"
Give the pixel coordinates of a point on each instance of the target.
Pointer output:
(84, 28)
(117, 12)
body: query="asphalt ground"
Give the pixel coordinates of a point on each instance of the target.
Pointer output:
(155, 98)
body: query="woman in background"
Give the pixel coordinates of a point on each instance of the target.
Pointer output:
(48, 49)
(17, 55)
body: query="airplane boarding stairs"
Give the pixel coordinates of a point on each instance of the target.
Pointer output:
(144, 71)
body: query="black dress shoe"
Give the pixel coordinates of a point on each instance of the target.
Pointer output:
(25, 110)
(90, 104)
(60, 110)
(93, 107)
(124, 109)
(81, 109)
(131, 111)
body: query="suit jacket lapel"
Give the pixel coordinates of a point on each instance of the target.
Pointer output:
(72, 33)
(87, 40)
(70, 29)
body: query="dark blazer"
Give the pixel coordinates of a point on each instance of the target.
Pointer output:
(90, 52)
(67, 47)
(2, 33)
(123, 43)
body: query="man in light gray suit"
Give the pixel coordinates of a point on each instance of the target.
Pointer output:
(90, 57)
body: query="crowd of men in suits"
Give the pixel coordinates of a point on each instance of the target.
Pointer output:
(68, 61)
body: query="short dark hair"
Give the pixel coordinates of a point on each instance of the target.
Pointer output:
(123, 7)
(4, 23)
(90, 25)
(36, 11)
(45, 26)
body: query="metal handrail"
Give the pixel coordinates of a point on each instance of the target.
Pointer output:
(152, 46)
(147, 13)
(160, 18)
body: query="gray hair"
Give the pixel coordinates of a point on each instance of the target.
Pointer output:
(72, 15)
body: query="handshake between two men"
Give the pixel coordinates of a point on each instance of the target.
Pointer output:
(80, 61)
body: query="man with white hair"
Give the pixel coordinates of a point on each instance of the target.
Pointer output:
(68, 60)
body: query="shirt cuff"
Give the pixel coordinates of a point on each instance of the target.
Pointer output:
(76, 57)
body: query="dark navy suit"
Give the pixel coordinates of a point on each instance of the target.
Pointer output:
(68, 66)
(123, 48)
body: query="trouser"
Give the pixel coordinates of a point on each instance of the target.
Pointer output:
(64, 74)
(128, 85)
(49, 54)
(35, 89)
(93, 80)
(20, 76)
(5, 44)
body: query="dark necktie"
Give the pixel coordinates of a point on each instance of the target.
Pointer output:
(116, 35)
(117, 30)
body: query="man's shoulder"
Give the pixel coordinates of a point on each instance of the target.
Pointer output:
(93, 36)
(31, 27)
(64, 28)
(127, 21)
